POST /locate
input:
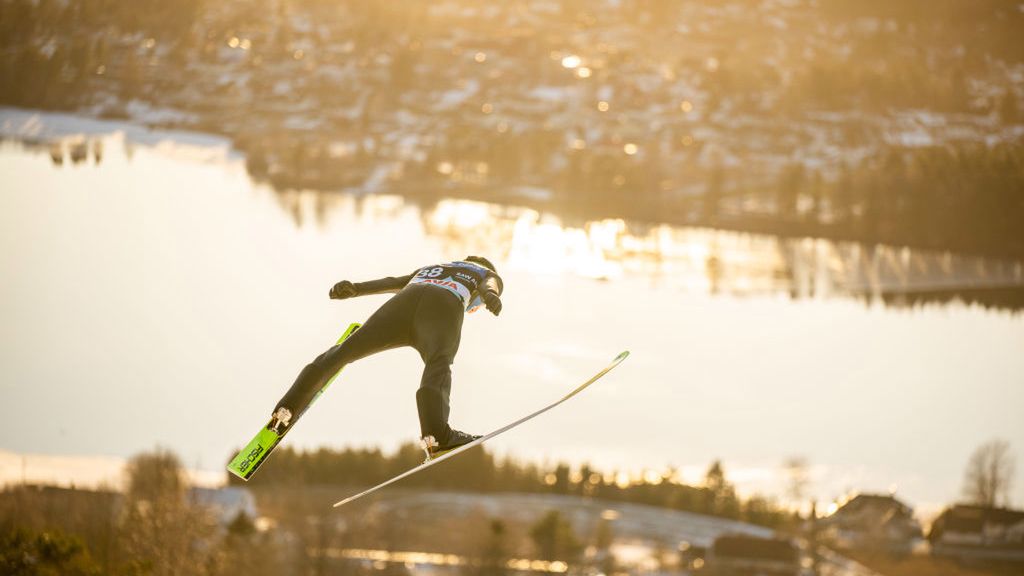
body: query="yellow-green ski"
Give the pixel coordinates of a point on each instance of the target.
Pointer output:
(255, 453)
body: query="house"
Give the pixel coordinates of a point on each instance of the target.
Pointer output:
(226, 503)
(743, 555)
(979, 534)
(872, 521)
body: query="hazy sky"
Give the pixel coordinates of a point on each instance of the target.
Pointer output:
(163, 298)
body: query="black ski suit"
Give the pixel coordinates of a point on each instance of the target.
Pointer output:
(427, 314)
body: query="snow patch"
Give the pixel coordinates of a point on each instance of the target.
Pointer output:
(548, 94)
(20, 124)
(452, 98)
(147, 114)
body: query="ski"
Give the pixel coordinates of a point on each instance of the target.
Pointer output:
(438, 459)
(255, 453)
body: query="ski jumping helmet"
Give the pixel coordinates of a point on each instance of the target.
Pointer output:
(481, 261)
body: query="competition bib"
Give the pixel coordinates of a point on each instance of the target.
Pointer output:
(459, 278)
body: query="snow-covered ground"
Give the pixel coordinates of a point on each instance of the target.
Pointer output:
(631, 521)
(641, 532)
(50, 127)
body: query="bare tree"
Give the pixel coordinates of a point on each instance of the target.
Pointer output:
(989, 474)
(165, 533)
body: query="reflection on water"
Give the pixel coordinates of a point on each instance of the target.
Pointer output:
(76, 150)
(693, 259)
(689, 259)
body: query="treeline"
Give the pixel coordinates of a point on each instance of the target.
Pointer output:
(479, 471)
(153, 528)
(158, 526)
(955, 21)
(59, 55)
(23, 20)
(966, 197)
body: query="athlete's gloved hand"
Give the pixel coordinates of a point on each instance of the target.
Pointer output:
(493, 302)
(342, 290)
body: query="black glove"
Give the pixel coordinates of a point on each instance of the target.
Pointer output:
(342, 290)
(492, 302)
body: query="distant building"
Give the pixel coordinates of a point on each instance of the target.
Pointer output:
(872, 521)
(979, 534)
(227, 503)
(743, 555)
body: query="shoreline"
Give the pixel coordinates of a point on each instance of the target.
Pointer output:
(23, 124)
(44, 126)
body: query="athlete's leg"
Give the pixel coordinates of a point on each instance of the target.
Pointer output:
(387, 328)
(437, 329)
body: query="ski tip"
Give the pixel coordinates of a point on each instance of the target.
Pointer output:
(621, 356)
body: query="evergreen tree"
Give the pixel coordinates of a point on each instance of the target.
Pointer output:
(553, 538)
(494, 554)
(49, 553)
(721, 499)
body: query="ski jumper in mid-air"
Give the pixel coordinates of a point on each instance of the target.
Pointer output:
(426, 313)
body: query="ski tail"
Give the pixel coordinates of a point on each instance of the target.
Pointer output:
(255, 453)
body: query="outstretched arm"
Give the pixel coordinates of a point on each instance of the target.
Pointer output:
(346, 289)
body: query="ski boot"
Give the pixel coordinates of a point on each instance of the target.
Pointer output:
(280, 420)
(432, 448)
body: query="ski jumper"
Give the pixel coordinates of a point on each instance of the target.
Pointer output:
(426, 313)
